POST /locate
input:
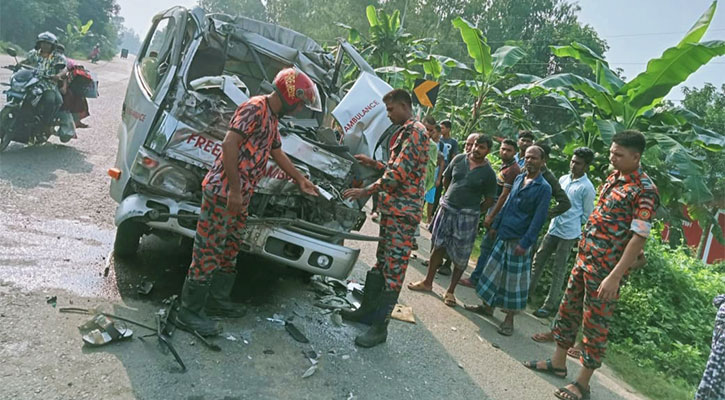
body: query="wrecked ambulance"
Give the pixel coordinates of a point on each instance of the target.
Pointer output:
(192, 71)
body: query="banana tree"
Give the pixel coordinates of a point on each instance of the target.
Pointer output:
(606, 105)
(488, 70)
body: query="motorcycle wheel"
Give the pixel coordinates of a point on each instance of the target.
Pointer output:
(5, 132)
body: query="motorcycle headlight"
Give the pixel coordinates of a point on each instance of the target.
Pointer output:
(171, 180)
(37, 91)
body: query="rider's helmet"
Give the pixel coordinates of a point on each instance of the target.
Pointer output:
(295, 87)
(46, 37)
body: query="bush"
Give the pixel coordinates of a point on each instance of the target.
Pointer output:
(665, 315)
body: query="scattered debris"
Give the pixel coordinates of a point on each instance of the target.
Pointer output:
(295, 333)
(52, 300)
(101, 330)
(350, 396)
(495, 345)
(231, 337)
(480, 338)
(453, 328)
(346, 357)
(268, 351)
(460, 365)
(277, 319)
(336, 318)
(310, 371)
(312, 354)
(403, 313)
(144, 287)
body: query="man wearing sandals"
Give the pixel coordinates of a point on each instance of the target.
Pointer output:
(401, 206)
(612, 242)
(504, 280)
(468, 180)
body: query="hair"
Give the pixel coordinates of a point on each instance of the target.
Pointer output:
(542, 152)
(481, 139)
(438, 128)
(631, 139)
(399, 96)
(585, 153)
(428, 119)
(510, 142)
(545, 147)
(526, 134)
(446, 123)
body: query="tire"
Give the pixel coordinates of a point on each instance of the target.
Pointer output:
(4, 128)
(128, 236)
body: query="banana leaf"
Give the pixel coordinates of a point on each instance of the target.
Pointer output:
(476, 46)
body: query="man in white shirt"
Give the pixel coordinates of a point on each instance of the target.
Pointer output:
(565, 230)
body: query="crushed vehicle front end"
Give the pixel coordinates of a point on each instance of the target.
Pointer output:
(222, 61)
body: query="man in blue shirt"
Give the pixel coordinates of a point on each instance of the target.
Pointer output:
(504, 280)
(565, 229)
(526, 139)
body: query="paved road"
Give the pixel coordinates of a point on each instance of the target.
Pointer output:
(56, 233)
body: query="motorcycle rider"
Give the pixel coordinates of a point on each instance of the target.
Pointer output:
(45, 58)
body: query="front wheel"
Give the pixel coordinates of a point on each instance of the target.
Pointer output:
(128, 235)
(6, 125)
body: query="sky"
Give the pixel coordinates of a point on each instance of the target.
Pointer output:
(636, 30)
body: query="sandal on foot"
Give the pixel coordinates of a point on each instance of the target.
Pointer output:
(550, 369)
(486, 311)
(419, 287)
(505, 329)
(542, 337)
(102, 330)
(449, 299)
(566, 394)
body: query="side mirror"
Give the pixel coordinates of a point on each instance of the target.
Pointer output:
(11, 51)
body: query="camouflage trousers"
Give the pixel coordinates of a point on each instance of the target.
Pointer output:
(217, 240)
(582, 306)
(393, 251)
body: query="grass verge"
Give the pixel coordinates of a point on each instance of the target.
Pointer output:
(645, 379)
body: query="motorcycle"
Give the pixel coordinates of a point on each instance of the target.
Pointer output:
(19, 120)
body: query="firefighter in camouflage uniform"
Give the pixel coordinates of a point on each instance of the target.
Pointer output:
(400, 192)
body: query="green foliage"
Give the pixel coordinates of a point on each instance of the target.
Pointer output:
(665, 315)
(22, 20)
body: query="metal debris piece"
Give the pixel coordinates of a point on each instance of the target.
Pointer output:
(310, 371)
(495, 345)
(336, 318)
(453, 328)
(311, 354)
(275, 320)
(231, 337)
(460, 365)
(346, 357)
(144, 287)
(52, 300)
(295, 333)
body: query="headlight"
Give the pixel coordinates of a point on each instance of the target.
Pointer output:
(37, 91)
(151, 170)
(171, 180)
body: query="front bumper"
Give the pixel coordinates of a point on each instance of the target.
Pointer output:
(301, 245)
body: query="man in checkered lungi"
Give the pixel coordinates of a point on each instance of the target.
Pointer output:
(504, 281)
(468, 180)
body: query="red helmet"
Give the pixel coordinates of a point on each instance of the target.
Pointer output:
(294, 86)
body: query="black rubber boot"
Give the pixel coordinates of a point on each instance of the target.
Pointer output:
(190, 316)
(219, 303)
(373, 286)
(378, 332)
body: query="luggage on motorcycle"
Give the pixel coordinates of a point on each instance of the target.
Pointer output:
(80, 78)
